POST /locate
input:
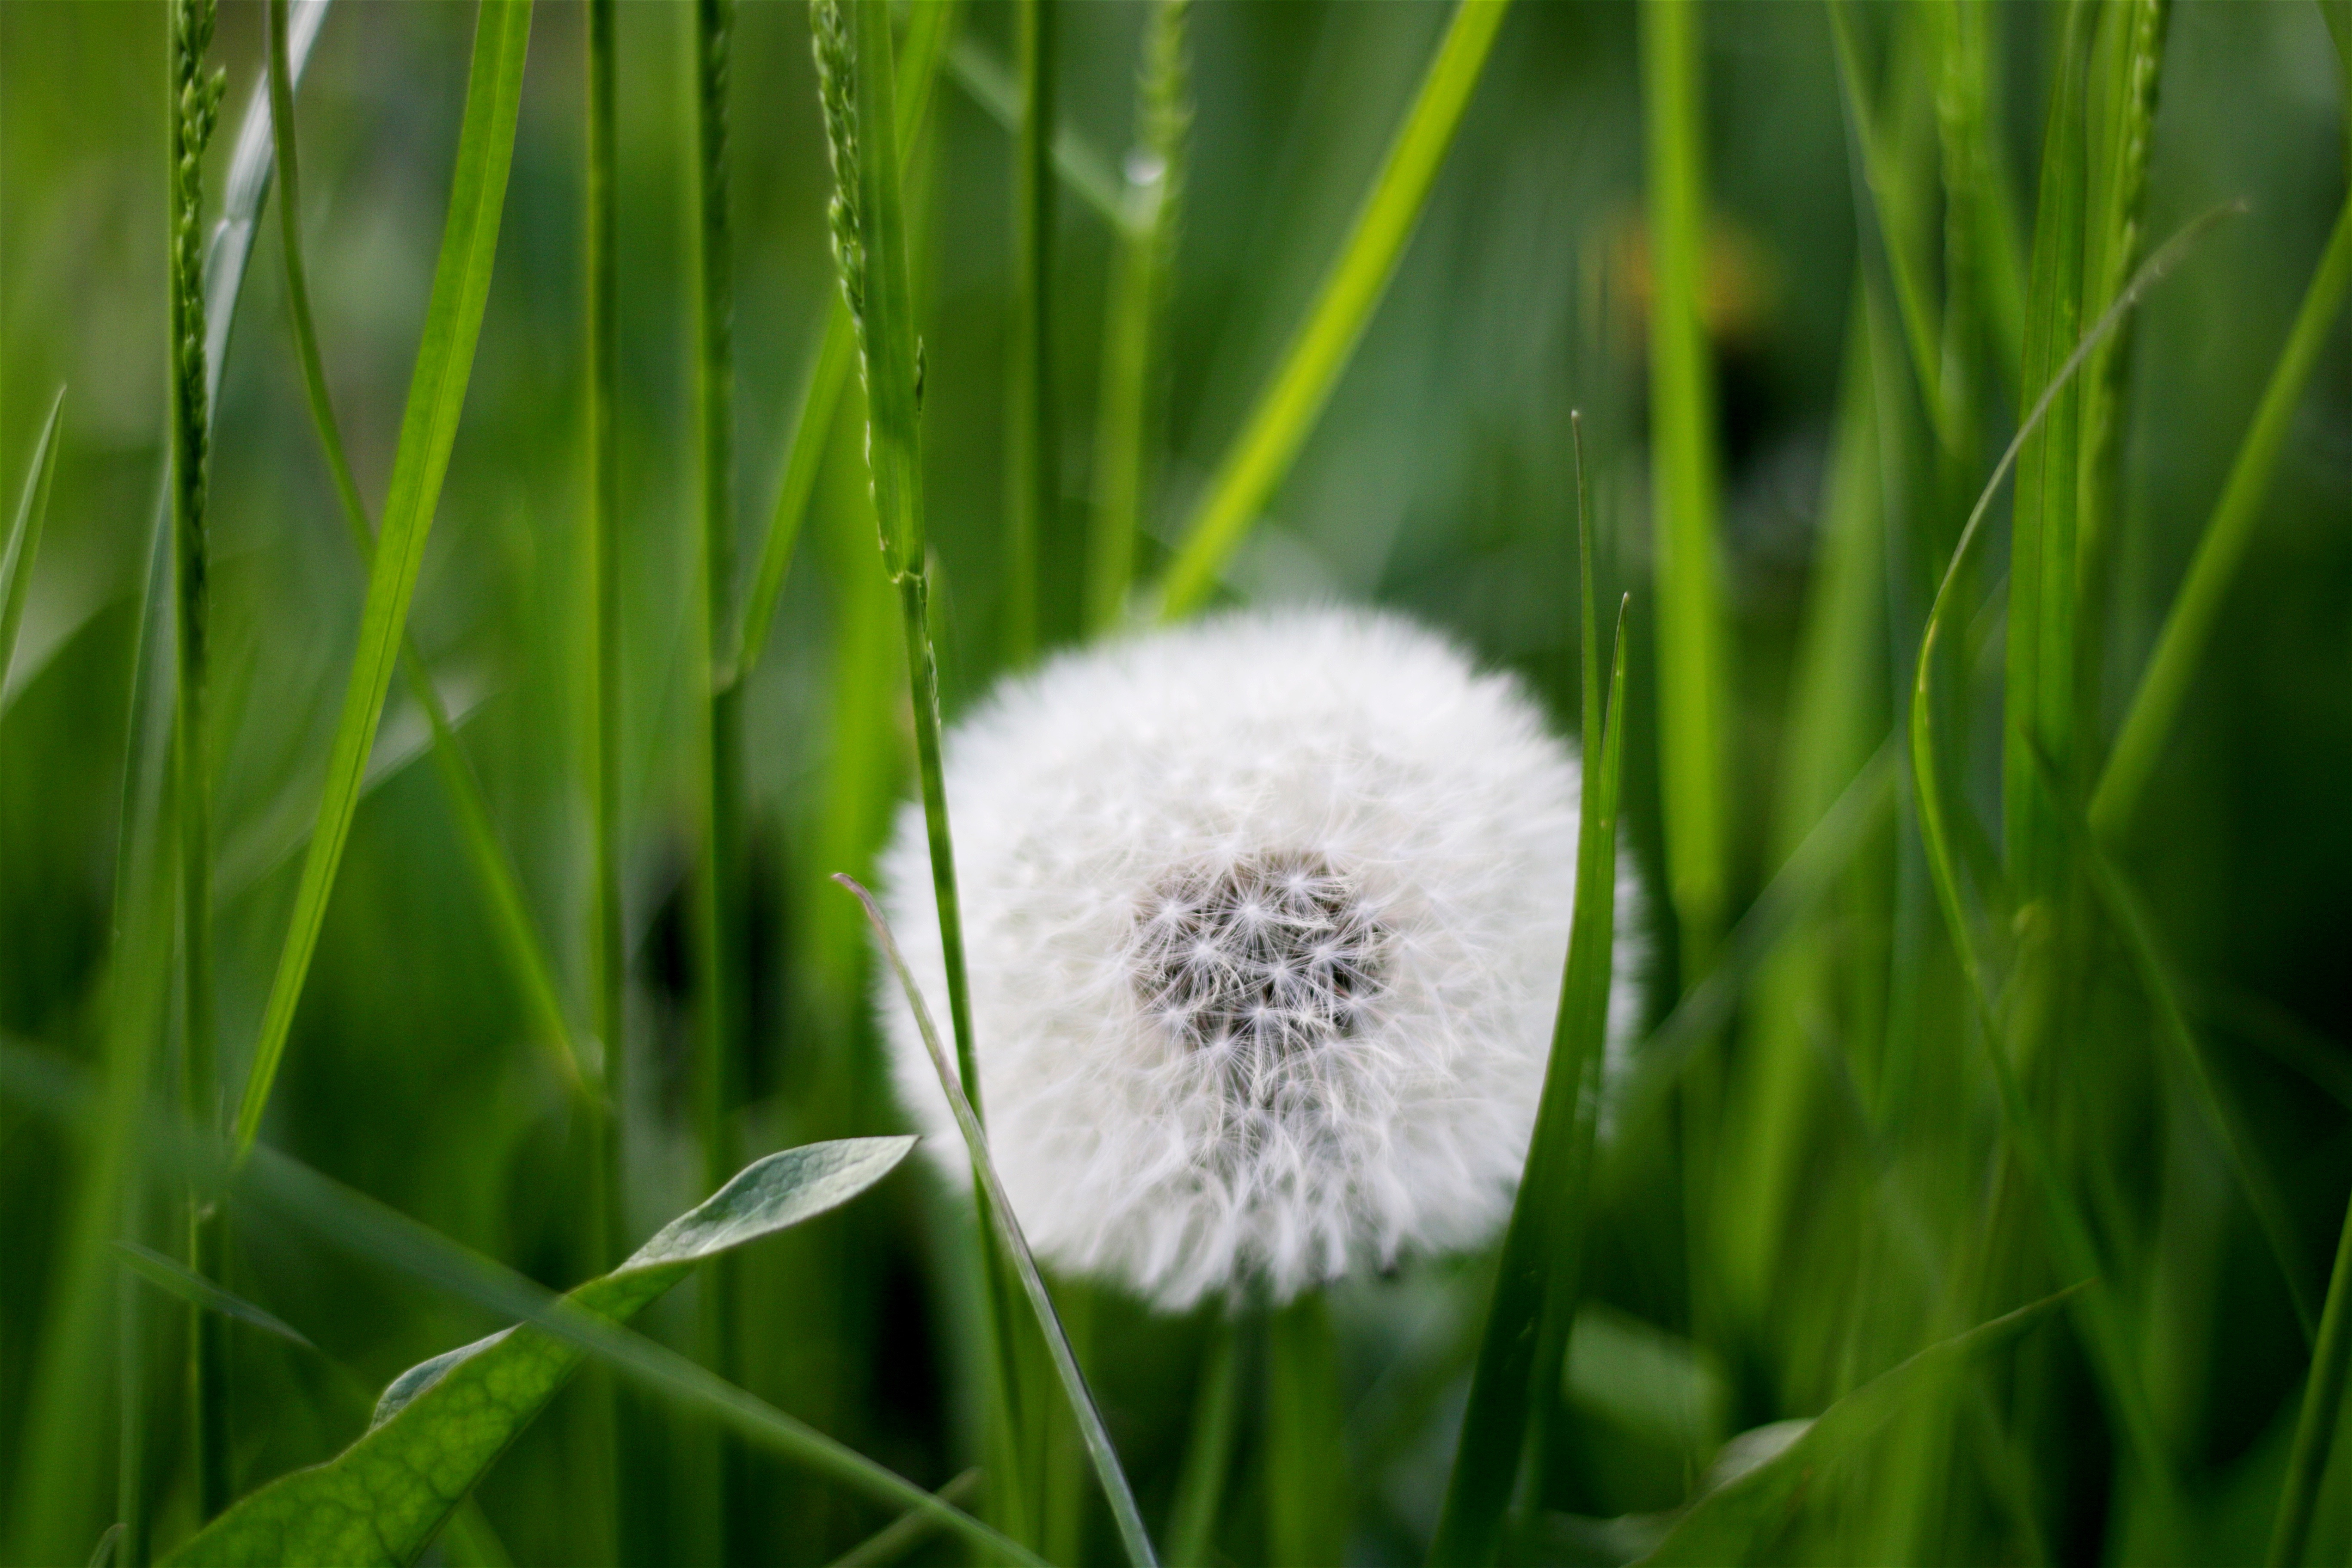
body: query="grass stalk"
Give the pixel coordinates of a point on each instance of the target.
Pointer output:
(1133, 1538)
(1286, 410)
(2322, 1413)
(1033, 436)
(195, 111)
(1126, 423)
(2189, 625)
(428, 429)
(1306, 1481)
(502, 886)
(1684, 484)
(855, 85)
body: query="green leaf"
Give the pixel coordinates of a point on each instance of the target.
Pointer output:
(176, 1278)
(442, 1424)
(1286, 410)
(1742, 1513)
(436, 396)
(999, 1209)
(24, 534)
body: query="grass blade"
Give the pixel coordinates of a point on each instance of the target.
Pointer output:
(1286, 410)
(2189, 625)
(1534, 1282)
(1132, 1536)
(2070, 1233)
(24, 541)
(502, 886)
(1208, 1450)
(929, 28)
(1127, 423)
(2323, 1411)
(1033, 458)
(175, 1279)
(1684, 483)
(1737, 1522)
(908, 1530)
(441, 1426)
(287, 1190)
(428, 428)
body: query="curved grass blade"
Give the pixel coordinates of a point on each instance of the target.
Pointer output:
(437, 397)
(1286, 410)
(24, 541)
(1132, 1536)
(1739, 1520)
(441, 1426)
(1518, 1364)
(2071, 1234)
(2189, 625)
(175, 1278)
(927, 30)
(502, 886)
(2323, 1411)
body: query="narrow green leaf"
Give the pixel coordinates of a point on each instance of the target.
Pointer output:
(1033, 458)
(1126, 424)
(1293, 400)
(1132, 1536)
(1739, 1519)
(1519, 1355)
(442, 1424)
(2322, 1413)
(1208, 1450)
(2189, 625)
(908, 1530)
(437, 397)
(493, 869)
(24, 541)
(175, 1278)
(1684, 483)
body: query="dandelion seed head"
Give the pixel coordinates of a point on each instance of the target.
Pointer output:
(1265, 919)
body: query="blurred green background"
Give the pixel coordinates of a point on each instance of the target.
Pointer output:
(1439, 480)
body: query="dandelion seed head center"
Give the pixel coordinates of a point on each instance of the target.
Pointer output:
(1268, 957)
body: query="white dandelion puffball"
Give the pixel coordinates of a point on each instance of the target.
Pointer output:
(1265, 918)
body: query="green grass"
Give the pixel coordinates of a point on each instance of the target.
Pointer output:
(1975, 1189)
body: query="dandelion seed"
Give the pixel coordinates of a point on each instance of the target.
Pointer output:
(1265, 919)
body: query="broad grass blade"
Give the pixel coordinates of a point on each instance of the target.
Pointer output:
(441, 1426)
(1739, 1520)
(1286, 410)
(286, 1189)
(1132, 1536)
(24, 541)
(428, 428)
